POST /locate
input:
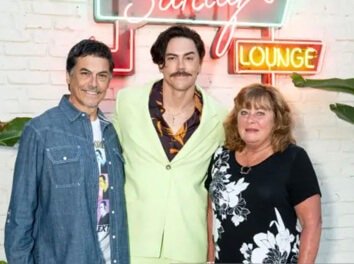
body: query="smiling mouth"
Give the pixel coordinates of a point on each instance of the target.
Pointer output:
(91, 92)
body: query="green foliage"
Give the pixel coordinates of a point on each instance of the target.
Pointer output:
(10, 132)
(3, 262)
(343, 111)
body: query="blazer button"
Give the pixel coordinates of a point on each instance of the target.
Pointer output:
(168, 167)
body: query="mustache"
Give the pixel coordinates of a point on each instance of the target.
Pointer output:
(93, 89)
(180, 73)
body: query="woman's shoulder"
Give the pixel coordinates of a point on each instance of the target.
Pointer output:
(221, 151)
(292, 151)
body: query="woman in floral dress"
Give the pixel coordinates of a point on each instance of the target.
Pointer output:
(264, 201)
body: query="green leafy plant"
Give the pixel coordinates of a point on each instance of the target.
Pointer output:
(10, 132)
(3, 262)
(343, 111)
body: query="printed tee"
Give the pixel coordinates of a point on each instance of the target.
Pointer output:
(103, 198)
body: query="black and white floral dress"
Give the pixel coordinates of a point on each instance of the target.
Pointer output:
(254, 219)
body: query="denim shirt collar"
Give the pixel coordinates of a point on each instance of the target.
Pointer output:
(73, 113)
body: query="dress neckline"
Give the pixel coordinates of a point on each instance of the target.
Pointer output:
(251, 167)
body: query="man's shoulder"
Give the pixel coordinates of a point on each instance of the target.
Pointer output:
(211, 102)
(135, 91)
(48, 118)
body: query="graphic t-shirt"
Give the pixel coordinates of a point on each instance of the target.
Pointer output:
(103, 197)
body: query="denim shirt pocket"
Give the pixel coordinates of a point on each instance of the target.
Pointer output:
(65, 166)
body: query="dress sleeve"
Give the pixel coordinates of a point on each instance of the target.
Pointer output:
(303, 182)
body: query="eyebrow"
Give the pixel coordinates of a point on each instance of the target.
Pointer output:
(85, 69)
(176, 55)
(260, 107)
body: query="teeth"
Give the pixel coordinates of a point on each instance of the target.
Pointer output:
(91, 92)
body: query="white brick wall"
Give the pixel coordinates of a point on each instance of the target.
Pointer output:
(36, 35)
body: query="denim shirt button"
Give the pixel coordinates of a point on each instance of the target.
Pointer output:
(114, 261)
(112, 187)
(82, 114)
(65, 158)
(114, 237)
(112, 212)
(109, 163)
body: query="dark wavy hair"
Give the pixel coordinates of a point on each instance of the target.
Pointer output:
(158, 49)
(88, 47)
(261, 95)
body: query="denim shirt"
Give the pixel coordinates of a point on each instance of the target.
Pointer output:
(52, 216)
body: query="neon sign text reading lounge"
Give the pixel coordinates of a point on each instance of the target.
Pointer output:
(257, 56)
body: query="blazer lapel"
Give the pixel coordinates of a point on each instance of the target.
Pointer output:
(149, 140)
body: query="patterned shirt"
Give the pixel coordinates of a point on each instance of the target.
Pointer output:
(172, 143)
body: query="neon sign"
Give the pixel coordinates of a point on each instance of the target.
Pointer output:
(280, 56)
(227, 14)
(249, 13)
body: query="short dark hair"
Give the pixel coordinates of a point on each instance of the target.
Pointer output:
(88, 47)
(158, 49)
(104, 203)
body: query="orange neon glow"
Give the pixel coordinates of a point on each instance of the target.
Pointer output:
(257, 56)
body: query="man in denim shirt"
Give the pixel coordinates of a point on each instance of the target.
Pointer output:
(54, 210)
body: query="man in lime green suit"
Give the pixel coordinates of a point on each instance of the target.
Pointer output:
(168, 130)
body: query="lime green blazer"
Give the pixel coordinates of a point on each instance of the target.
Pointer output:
(166, 201)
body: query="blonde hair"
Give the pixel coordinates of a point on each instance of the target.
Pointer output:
(261, 96)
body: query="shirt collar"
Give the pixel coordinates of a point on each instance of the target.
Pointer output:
(73, 113)
(156, 93)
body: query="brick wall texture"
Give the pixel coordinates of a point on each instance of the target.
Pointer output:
(36, 35)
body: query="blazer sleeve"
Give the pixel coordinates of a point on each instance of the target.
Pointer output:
(116, 117)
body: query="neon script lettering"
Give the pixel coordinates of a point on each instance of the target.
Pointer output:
(192, 5)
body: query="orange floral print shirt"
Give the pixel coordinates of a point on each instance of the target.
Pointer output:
(173, 143)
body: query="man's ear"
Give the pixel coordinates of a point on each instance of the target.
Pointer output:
(160, 67)
(200, 67)
(68, 78)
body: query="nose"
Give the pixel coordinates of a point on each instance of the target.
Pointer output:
(250, 118)
(181, 65)
(93, 80)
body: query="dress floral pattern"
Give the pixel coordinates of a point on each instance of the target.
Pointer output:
(226, 195)
(271, 248)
